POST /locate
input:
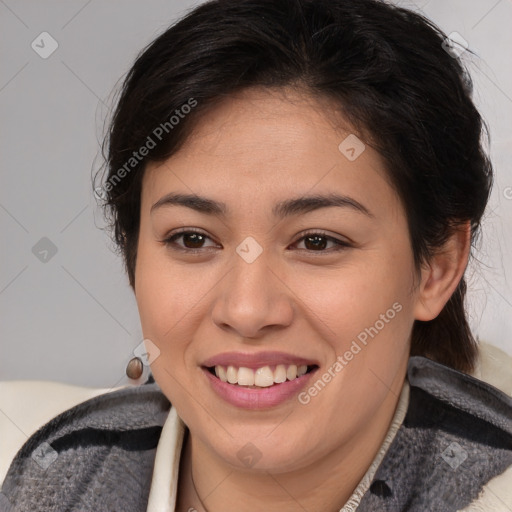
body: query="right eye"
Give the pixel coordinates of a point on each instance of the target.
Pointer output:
(193, 240)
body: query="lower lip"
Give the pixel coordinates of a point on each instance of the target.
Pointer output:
(252, 398)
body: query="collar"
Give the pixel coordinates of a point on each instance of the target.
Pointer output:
(164, 486)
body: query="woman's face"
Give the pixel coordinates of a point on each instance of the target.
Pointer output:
(303, 259)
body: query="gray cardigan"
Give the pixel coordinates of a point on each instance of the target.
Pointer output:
(98, 456)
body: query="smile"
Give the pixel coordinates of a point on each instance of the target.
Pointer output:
(257, 381)
(262, 377)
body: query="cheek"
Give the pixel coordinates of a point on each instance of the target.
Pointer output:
(366, 312)
(353, 297)
(369, 318)
(166, 307)
(165, 291)
(165, 295)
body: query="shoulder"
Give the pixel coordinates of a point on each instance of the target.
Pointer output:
(28, 406)
(485, 394)
(453, 451)
(484, 406)
(95, 444)
(464, 425)
(495, 367)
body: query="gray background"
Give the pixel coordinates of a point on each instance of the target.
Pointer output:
(73, 317)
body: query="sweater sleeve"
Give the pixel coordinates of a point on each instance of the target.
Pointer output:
(27, 405)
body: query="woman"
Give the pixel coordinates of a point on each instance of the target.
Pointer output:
(294, 187)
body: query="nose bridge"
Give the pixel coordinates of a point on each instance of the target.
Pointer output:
(250, 274)
(252, 296)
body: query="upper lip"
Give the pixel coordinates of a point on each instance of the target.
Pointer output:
(258, 360)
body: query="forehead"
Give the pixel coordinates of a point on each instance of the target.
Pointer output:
(263, 144)
(278, 120)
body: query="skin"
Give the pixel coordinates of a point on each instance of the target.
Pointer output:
(251, 151)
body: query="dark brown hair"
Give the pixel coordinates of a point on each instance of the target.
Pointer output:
(386, 67)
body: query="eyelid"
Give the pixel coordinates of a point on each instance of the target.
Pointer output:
(343, 240)
(341, 244)
(167, 240)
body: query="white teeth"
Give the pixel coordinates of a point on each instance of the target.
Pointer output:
(232, 375)
(262, 377)
(221, 373)
(291, 372)
(280, 373)
(246, 377)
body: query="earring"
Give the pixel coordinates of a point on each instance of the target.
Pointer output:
(134, 368)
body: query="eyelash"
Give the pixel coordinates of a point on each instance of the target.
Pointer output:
(169, 241)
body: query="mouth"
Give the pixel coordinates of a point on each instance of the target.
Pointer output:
(263, 377)
(258, 381)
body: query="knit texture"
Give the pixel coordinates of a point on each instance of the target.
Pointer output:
(97, 456)
(456, 436)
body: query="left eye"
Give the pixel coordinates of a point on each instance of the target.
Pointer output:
(319, 242)
(314, 242)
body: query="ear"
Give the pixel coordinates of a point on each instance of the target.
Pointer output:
(441, 275)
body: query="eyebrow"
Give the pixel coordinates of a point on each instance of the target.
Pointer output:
(282, 209)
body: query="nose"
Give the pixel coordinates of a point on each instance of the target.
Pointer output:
(253, 299)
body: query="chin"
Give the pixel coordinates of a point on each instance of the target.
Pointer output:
(274, 453)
